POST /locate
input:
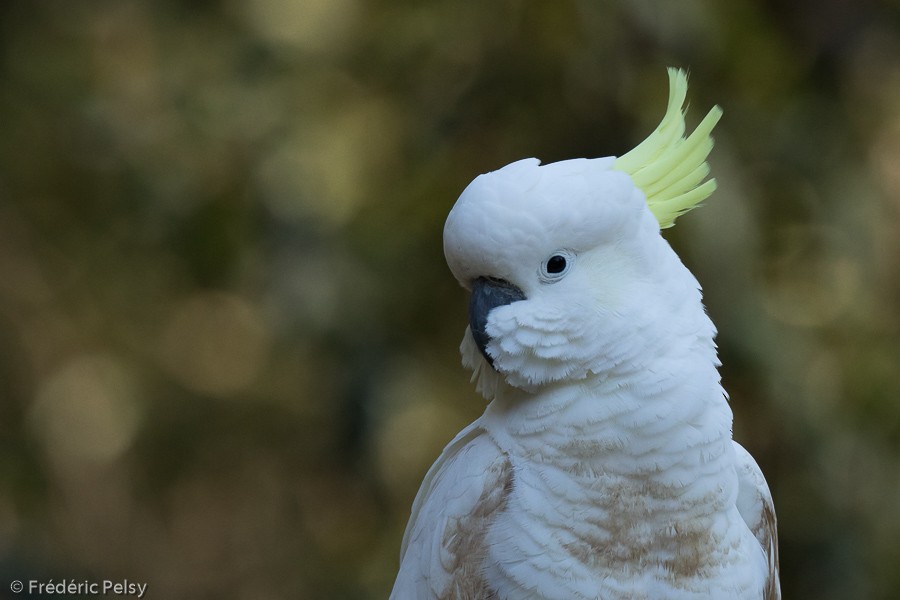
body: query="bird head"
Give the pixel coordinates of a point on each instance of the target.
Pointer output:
(569, 276)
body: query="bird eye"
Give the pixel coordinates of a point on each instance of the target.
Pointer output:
(556, 266)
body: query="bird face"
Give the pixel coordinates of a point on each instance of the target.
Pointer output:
(561, 263)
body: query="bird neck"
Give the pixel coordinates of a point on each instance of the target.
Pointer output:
(645, 422)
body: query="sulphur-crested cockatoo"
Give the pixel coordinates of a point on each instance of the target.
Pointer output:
(604, 465)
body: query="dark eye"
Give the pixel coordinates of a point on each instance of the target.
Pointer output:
(556, 266)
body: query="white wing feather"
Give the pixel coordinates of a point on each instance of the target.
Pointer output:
(755, 504)
(442, 551)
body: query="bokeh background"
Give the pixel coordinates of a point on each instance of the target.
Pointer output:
(228, 338)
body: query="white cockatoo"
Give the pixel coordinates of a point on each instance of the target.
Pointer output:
(604, 465)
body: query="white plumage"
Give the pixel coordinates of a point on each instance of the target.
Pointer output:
(604, 465)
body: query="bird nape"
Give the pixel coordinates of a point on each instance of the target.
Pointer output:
(604, 465)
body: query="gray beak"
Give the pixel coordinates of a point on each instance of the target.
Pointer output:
(488, 294)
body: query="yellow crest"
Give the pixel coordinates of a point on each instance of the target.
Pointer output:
(668, 167)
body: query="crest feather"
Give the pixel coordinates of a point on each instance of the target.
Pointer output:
(668, 167)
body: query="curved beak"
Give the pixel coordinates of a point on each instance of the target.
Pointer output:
(488, 294)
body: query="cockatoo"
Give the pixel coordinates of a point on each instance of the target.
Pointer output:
(603, 466)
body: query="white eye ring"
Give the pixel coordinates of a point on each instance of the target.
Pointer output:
(556, 266)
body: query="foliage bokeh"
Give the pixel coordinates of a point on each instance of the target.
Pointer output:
(228, 339)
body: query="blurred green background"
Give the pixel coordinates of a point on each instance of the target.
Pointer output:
(228, 338)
